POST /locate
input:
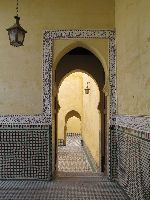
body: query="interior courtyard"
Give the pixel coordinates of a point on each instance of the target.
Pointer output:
(75, 100)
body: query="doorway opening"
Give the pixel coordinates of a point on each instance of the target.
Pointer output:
(80, 117)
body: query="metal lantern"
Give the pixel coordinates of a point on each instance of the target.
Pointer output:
(87, 89)
(16, 32)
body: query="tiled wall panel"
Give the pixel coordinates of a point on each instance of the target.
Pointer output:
(134, 162)
(25, 151)
(113, 149)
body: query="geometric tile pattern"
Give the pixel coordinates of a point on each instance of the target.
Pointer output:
(72, 158)
(134, 163)
(61, 189)
(113, 149)
(24, 152)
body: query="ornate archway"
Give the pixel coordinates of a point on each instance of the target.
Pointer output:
(48, 41)
(92, 66)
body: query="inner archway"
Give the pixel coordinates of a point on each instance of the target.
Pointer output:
(85, 61)
(72, 124)
(81, 132)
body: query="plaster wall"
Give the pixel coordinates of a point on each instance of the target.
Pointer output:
(21, 68)
(70, 98)
(91, 118)
(74, 125)
(133, 60)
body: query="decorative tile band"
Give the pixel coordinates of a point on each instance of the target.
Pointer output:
(134, 163)
(25, 152)
(25, 119)
(139, 123)
(73, 134)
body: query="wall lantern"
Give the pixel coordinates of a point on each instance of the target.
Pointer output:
(16, 32)
(87, 89)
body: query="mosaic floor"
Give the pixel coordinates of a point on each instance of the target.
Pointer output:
(72, 158)
(62, 189)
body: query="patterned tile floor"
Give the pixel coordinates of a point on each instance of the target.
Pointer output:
(72, 158)
(92, 187)
(61, 189)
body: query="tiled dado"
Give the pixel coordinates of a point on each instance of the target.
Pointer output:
(25, 152)
(134, 162)
(139, 126)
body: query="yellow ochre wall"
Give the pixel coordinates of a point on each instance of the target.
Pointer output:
(21, 68)
(133, 56)
(69, 98)
(91, 118)
(74, 125)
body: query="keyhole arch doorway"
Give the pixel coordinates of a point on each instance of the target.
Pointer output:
(70, 115)
(72, 62)
(89, 135)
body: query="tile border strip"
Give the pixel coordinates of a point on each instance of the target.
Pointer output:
(134, 133)
(138, 123)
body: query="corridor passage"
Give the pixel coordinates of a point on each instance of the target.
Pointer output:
(72, 157)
